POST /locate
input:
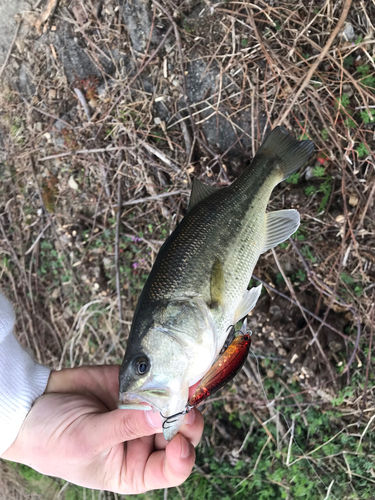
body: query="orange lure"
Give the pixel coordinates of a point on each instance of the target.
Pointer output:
(225, 368)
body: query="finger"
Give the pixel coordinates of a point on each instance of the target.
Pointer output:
(100, 381)
(192, 426)
(118, 426)
(137, 453)
(171, 467)
(192, 429)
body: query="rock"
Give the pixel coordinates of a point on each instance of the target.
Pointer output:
(220, 131)
(137, 18)
(77, 64)
(25, 83)
(309, 173)
(348, 32)
(8, 24)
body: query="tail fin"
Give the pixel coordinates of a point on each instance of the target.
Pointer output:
(289, 153)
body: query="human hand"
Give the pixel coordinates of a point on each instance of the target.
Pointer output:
(75, 431)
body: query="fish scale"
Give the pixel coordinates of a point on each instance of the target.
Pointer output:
(197, 287)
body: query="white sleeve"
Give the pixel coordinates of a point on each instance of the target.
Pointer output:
(21, 379)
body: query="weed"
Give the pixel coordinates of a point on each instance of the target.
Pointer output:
(361, 150)
(368, 118)
(342, 102)
(294, 178)
(325, 134)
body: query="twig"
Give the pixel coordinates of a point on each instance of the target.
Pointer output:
(117, 245)
(291, 289)
(82, 100)
(81, 152)
(290, 443)
(329, 490)
(269, 287)
(155, 197)
(141, 69)
(328, 291)
(11, 47)
(161, 156)
(364, 399)
(364, 432)
(314, 67)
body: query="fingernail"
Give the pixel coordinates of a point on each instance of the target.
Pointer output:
(153, 419)
(185, 448)
(190, 418)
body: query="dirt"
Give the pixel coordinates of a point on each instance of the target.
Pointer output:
(196, 109)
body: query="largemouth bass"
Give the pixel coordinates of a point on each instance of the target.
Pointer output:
(197, 288)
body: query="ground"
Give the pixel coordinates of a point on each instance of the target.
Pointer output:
(107, 104)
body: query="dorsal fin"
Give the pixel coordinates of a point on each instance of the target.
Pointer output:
(199, 192)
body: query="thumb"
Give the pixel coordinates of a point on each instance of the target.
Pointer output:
(117, 426)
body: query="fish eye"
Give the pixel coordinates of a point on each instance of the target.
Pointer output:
(141, 365)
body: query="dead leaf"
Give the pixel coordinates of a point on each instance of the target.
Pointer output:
(72, 183)
(49, 10)
(353, 200)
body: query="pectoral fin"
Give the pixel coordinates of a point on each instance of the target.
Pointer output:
(199, 192)
(279, 227)
(217, 284)
(247, 303)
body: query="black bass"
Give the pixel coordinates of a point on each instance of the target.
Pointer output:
(197, 288)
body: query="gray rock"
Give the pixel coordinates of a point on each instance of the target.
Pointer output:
(309, 173)
(348, 32)
(8, 24)
(220, 130)
(77, 64)
(25, 83)
(137, 18)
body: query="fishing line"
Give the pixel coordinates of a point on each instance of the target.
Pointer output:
(289, 428)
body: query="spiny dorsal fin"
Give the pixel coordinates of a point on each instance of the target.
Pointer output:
(290, 153)
(217, 284)
(199, 192)
(279, 226)
(247, 303)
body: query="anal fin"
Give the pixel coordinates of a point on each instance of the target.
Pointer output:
(279, 226)
(247, 303)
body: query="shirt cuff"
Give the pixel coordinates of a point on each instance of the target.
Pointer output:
(22, 380)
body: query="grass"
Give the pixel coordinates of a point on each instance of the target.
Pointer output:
(295, 423)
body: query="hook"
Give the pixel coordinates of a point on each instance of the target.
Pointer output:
(174, 417)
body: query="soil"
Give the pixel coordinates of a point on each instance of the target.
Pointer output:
(99, 98)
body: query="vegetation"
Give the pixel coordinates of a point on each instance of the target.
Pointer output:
(298, 421)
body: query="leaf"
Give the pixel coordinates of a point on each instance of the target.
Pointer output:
(363, 69)
(294, 178)
(368, 118)
(342, 101)
(72, 183)
(346, 278)
(318, 171)
(324, 133)
(361, 150)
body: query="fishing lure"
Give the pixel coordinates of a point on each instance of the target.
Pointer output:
(221, 372)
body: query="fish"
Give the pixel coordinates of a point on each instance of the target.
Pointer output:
(198, 286)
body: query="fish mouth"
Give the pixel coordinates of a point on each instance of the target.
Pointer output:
(132, 401)
(128, 401)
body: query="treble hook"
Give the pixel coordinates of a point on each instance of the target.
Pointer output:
(174, 417)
